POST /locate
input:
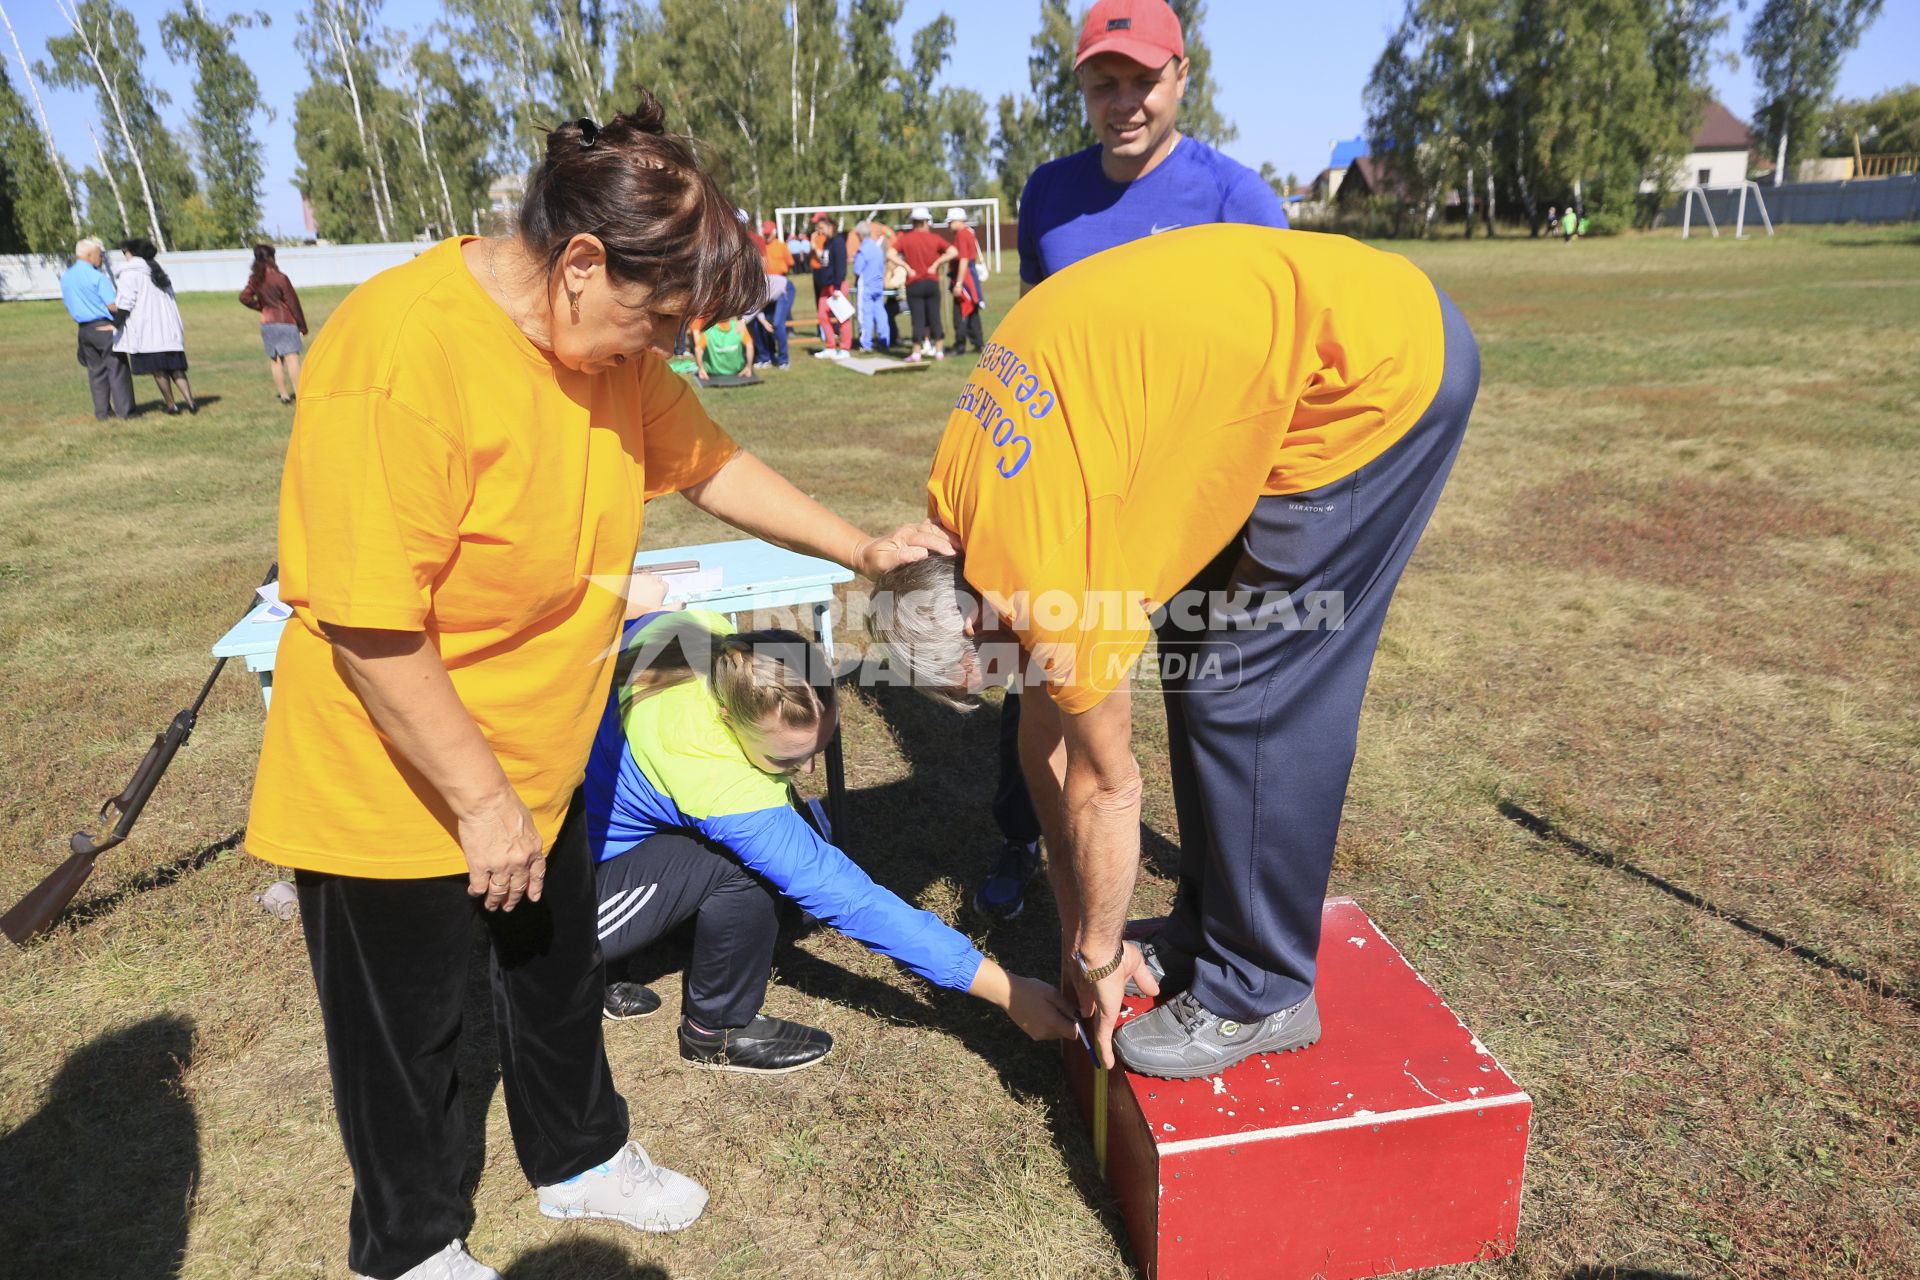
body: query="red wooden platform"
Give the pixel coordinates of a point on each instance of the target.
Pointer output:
(1396, 1142)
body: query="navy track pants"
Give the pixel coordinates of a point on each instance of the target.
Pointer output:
(1263, 704)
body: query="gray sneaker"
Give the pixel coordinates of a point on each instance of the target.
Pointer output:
(451, 1263)
(1172, 969)
(1183, 1040)
(629, 1188)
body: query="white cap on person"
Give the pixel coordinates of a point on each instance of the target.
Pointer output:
(956, 214)
(920, 214)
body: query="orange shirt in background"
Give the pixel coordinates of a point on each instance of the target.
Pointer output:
(446, 476)
(779, 258)
(1131, 409)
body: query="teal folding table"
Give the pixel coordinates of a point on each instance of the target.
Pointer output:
(752, 575)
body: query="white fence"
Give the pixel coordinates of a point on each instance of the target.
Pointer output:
(24, 276)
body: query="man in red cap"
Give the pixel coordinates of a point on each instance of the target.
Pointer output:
(1142, 178)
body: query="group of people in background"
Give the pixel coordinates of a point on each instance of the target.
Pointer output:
(468, 731)
(863, 278)
(128, 322)
(1569, 224)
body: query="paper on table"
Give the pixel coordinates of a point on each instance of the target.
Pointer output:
(276, 612)
(683, 586)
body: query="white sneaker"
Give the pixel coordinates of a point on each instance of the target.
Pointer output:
(451, 1263)
(842, 354)
(629, 1188)
(825, 353)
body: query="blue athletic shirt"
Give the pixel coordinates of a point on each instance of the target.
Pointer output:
(1071, 210)
(88, 293)
(668, 762)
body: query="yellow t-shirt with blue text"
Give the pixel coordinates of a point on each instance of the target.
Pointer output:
(1132, 408)
(448, 477)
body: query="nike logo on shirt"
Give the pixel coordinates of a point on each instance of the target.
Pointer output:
(1156, 229)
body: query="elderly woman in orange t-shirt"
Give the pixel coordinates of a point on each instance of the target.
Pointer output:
(477, 435)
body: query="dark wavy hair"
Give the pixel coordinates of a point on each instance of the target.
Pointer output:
(262, 263)
(665, 222)
(141, 247)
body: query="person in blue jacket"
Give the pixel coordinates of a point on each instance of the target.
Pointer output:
(691, 813)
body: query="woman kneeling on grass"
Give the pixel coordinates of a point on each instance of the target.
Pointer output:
(690, 811)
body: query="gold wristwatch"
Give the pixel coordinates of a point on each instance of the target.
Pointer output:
(1094, 975)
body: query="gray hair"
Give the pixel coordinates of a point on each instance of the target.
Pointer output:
(85, 243)
(917, 617)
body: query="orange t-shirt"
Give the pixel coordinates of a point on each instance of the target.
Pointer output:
(779, 258)
(1132, 408)
(446, 476)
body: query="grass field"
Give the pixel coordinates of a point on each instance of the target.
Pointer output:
(1669, 604)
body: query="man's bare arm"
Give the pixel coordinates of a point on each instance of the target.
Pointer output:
(1100, 803)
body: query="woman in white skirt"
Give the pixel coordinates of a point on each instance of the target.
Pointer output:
(154, 339)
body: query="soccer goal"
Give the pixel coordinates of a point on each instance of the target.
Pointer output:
(1740, 218)
(792, 219)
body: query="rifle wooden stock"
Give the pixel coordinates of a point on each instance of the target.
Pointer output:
(35, 914)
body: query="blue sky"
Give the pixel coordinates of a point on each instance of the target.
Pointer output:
(1290, 73)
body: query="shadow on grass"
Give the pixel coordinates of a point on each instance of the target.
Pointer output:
(1876, 242)
(157, 408)
(101, 1180)
(159, 877)
(955, 764)
(581, 1260)
(1607, 1271)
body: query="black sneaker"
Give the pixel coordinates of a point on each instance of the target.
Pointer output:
(1003, 894)
(626, 1000)
(764, 1047)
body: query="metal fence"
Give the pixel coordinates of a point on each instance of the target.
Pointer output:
(1860, 200)
(26, 276)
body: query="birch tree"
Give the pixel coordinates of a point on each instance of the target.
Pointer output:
(504, 37)
(1797, 47)
(335, 43)
(225, 97)
(54, 161)
(105, 51)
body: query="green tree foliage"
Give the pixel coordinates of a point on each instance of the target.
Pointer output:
(108, 59)
(1550, 100)
(1797, 47)
(1052, 120)
(333, 173)
(338, 40)
(225, 97)
(33, 204)
(454, 124)
(504, 37)
(1886, 125)
(1199, 117)
(436, 128)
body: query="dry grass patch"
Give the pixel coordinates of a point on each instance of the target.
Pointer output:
(1668, 602)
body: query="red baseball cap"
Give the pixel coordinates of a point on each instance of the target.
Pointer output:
(1146, 31)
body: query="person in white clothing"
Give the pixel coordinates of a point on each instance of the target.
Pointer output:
(154, 339)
